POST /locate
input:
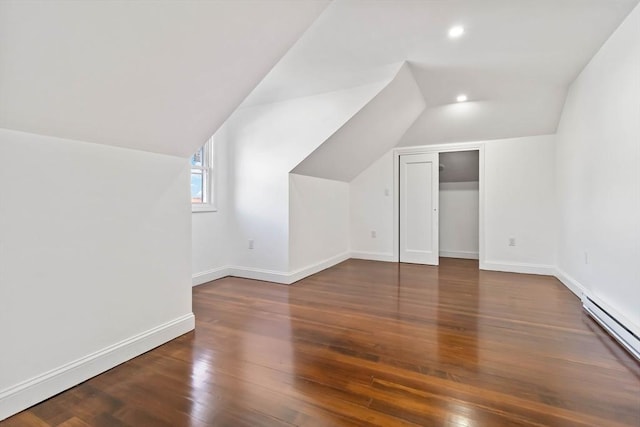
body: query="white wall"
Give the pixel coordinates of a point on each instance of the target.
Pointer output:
(318, 221)
(459, 218)
(89, 234)
(211, 231)
(266, 143)
(519, 202)
(371, 209)
(598, 158)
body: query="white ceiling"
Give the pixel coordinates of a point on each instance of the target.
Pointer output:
(163, 76)
(515, 61)
(157, 76)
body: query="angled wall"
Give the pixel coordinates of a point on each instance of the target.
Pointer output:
(94, 261)
(598, 153)
(95, 218)
(372, 131)
(266, 142)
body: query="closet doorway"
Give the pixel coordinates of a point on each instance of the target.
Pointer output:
(439, 203)
(459, 200)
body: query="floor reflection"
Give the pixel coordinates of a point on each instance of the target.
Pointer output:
(369, 343)
(235, 379)
(418, 318)
(458, 304)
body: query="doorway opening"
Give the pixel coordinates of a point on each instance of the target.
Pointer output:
(439, 194)
(459, 200)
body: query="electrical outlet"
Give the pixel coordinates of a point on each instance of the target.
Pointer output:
(586, 257)
(512, 241)
(386, 192)
(250, 243)
(374, 234)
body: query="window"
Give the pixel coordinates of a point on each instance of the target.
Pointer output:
(202, 182)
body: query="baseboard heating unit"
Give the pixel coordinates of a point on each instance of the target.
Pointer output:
(617, 330)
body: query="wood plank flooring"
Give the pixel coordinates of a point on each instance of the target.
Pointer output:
(370, 344)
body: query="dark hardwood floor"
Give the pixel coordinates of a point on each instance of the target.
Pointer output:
(370, 343)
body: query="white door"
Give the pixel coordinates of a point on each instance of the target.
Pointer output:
(419, 181)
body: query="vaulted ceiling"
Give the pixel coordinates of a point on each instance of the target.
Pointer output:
(159, 76)
(369, 133)
(514, 62)
(164, 76)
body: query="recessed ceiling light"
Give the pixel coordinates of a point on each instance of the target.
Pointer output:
(462, 98)
(456, 31)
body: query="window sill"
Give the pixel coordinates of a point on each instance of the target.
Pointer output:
(203, 208)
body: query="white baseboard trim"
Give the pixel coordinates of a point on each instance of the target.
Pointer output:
(259, 274)
(287, 278)
(209, 275)
(301, 273)
(27, 393)
(570, 283)
(459, 254)
(513, 267)
(373, 256)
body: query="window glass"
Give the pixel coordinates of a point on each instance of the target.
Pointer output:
(197, 185)
(202, 185)
(196, 159)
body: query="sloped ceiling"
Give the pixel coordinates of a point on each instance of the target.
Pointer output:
(155, 76)
(369, 133)
(515, 60)
(502, 105)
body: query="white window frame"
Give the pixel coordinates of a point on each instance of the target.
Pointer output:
(208, 169)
